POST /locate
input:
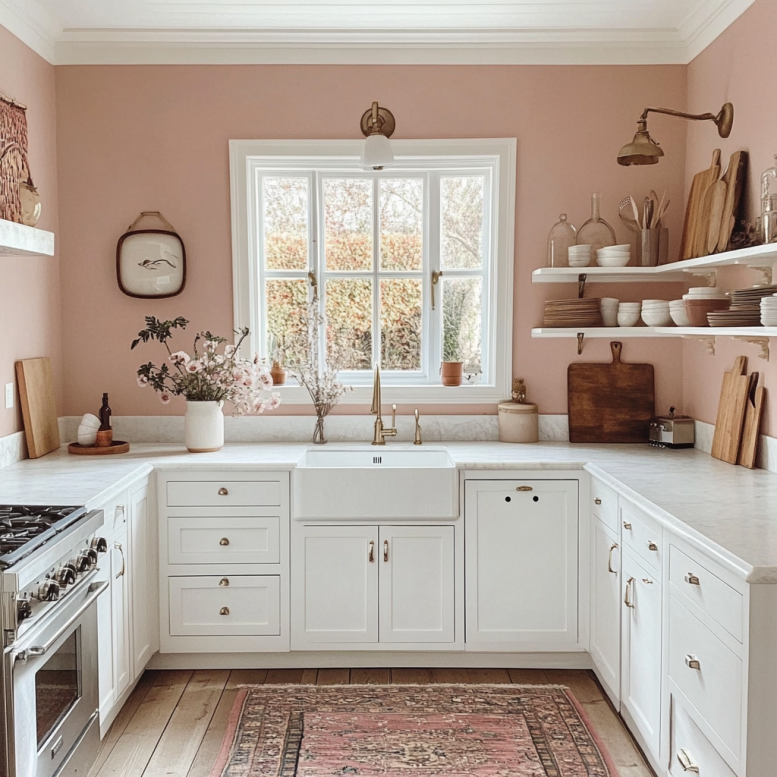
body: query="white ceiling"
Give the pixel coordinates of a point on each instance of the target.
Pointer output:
(369, 31)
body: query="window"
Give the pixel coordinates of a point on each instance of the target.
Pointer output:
(412, 265)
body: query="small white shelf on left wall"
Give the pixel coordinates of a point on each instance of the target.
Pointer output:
(20, 240)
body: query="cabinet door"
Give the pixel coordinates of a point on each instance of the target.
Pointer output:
(142, 581)
(122, 648)
(416, 584)
(335, 591)
(641, 651)
(521, 562)
(105, 676)
(606, 608)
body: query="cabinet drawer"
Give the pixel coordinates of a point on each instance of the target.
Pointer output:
(641, 534)
(216, 540)
(690, 748)
(704, 588)
(239, 605)
(604, 504)
(215, 493)
(715, 688)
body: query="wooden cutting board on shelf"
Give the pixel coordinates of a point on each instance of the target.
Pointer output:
(718, 194)
(39, 409)
(610, 402)
(731, 412)
(754, 408)
(704, 210)
(735, 181)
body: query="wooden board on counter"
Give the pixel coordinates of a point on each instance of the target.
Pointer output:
(754, 408)
(610, 402)
(731, 412)
(39, 409)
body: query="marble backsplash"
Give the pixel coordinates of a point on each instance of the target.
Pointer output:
(12, 449)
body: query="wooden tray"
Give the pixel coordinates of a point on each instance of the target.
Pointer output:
(117, 446)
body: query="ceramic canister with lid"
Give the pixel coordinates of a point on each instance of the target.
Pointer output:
(518, 422)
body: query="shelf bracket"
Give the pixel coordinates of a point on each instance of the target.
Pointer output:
(708, 277)
(761, 342)
(709, 342)
(768, 274)
(580, 338)
(581, 279)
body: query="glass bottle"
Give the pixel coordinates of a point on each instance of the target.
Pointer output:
(596, 232)
(769, 204)
(561, 236)
(105, 415)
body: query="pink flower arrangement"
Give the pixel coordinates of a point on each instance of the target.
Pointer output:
(207, 375)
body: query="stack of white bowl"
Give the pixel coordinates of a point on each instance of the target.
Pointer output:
(609, 306)
(769, 311)
(655, 312)
(705, 292)
(628, 313)
(614, 256)
(579, 256)
(87, 430)
(677, 312)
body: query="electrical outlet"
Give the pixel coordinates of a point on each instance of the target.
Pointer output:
(8, 396)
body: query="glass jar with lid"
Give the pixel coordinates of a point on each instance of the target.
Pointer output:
(561, 236)
(769, 204)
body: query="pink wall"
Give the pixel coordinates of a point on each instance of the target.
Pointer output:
(735, 68)
(29, 286)
(155, 138)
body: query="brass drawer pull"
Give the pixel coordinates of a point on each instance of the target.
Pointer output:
(224, 611)
(223, 541)
(692, 662)
(223, 491)
(627, 597)
(119, 547)
(613, 547)
(652, 546)
(524, 488)
(627, 525)
(385, 550)
(224, 581)
(597, 501)
(371, 557)
(687, 762)
(692, 579)
(647, 581)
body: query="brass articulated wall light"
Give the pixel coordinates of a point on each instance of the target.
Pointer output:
(643, 150)
(378, 126)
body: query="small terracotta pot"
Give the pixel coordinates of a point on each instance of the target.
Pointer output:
(452, 373)
(104, 439)
(278, 375)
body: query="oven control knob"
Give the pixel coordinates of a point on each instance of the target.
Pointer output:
(49, 591)
(100, 544)
(66, 575)
(23, 610)
(81, 563)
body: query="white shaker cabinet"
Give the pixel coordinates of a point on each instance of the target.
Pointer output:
(521, 550)
(606, 608)
(641, 676)
(118, 547)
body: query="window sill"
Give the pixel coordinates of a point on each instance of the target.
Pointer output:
(416, 395)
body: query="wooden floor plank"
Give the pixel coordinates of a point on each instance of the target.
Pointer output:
(284, 677)
(528, 676)
(175, 753)
(214, 736)
(245, 677)
(133, 751)
(443, 675)
(309, 677)
(123, 718)
(370, 676)
(488, 675)
(334, 676)
(410, 676)
(582, 685)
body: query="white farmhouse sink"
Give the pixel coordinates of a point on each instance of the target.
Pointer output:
(375, 483)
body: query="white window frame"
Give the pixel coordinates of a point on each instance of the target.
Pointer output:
(291, 156)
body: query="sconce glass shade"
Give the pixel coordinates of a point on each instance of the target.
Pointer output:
(377, 152)
(643, 150)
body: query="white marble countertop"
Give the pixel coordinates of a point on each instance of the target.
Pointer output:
(729, 511)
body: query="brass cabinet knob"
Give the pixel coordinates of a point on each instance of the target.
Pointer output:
(687, 761)
(224, 581)
(627, 525)
(223, 491)
(223, 541)
(692, 579)
(524, 488)
(597, 501)
(224, 611)
(652, 546)
(692, 662)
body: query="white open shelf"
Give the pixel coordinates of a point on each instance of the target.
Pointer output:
(616, 332)
(757, 256)
(20, 240)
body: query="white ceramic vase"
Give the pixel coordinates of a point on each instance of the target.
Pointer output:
(204, 426)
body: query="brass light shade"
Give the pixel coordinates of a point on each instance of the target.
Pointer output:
(643, 150)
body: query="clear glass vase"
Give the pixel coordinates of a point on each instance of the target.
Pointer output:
(595, 232)
(768, 232)
(561, 236)
(318, 432)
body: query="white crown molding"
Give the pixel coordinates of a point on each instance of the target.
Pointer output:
(38, 29)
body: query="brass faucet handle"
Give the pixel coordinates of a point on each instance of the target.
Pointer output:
(393, 416)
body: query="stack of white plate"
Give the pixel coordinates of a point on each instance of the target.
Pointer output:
(613, 256)
(655, 312)
(677, 312)
(705, 292)
(769, 311)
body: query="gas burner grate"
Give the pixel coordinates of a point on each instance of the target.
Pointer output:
(23, 528)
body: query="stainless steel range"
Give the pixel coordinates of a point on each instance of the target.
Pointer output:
(48, 617)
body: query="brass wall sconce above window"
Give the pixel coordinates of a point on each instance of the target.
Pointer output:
(643, 150)
(377, 125)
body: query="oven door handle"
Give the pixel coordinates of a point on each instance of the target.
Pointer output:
(34, 651)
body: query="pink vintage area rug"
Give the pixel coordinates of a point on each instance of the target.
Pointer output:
(410, 730)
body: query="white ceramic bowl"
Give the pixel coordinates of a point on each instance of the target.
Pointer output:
(656, 317)
(719, 295)
(609, 306)
(679, 316)
(581, 248)
(86, 435)
(91, 421)
(612, 261)
(630, 305)
(627, 318)
(705, 291)
(580, 261)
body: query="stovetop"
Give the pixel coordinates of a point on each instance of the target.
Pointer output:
(23, 528)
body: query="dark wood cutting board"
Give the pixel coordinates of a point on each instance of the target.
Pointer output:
(610, 402)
